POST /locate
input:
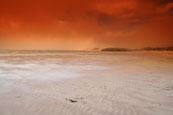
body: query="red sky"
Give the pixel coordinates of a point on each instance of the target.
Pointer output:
(82, 24)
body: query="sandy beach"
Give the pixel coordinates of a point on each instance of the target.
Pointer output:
(86, 83)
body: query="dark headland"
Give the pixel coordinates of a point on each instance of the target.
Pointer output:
(142, 49)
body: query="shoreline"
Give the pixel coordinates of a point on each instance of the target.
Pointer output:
(113, 83)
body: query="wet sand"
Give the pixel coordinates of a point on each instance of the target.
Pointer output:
(99, 83)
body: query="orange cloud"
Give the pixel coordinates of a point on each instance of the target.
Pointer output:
(76, 24)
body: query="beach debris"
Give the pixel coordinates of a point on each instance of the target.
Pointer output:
(74, 100)
(71, 100)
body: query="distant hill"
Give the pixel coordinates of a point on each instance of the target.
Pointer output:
(142, 49)
(115, 49)
(158, 49)
(93, 49)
